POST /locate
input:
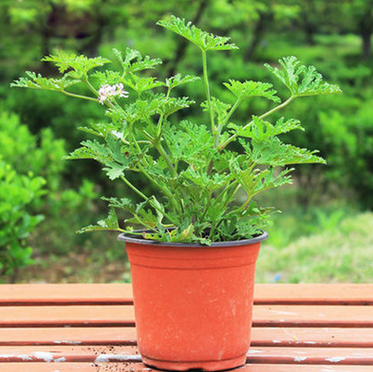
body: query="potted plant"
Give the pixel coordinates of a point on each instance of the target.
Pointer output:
(193, 261)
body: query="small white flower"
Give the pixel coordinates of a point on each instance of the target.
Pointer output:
(110, 91)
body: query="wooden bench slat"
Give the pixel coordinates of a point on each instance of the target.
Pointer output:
(256, 355)
(313, 315)
(301, 337)
(116, 316)
(65, 294)
(68, 336)
(139, 367)
(39, 294)
(314, 294)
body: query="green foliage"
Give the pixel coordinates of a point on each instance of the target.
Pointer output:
(42, 155)
(204, 40)
(301, 80)
(134, 62)
(178, 80)
(17, 195)
(26, 152)
(191, 165)
(262, 130)
(252, 89)
(38, 82)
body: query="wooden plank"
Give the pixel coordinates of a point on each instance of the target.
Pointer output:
(313, 316)
(314, 294)
(289, 355)
(139, 367)
(116, 316)
(115, 354)
(301, 337)
(68, 336)
(75, 294)
(65, 294)
(62, 316)
(312, 337)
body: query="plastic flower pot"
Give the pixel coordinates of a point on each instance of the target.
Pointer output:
(193, 303)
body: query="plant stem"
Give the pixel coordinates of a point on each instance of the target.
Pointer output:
(230, 113)
(162, 188)
(279, 107)
(138, 192)
(134, 188)
(78, 96)
(207, 88)
(164, 154)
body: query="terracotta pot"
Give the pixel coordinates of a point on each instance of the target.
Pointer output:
(193, 303)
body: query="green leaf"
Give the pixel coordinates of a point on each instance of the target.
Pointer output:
(202, 39)
(177, 80)
(141, 84)
(79, 65)
(300, 79)
(208, 183)
(273, 152)
(189, 142)
(171, 105)
(259, 129)
(251, 88)
(134, 61)
(108, 224)
(219, 108)
(37, 81)
(107, 77)
(123, 203)
(112, 155)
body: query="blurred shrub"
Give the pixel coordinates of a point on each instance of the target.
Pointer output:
(18, 193)
(26, 152)
(42, 155)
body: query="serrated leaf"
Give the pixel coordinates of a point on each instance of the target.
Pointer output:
(134, 61)
(202, 39)
(219, 108)
(37, 81)
(111, 155)
(300, 79)
(171, 105)
(108, 224)
(123, 203)
(141, 84)
(259, 129)
(251, 88)
(189, 142)
(275, 153)
(206, 182)
(107, 77)
(80, 65)
(178, 79)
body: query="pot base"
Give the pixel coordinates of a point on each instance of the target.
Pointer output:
(218, 365)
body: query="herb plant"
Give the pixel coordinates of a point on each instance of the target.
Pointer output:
(193, 165)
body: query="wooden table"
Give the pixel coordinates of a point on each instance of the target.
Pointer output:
(90, 327)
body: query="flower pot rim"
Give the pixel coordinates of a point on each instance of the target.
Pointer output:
(132, 238)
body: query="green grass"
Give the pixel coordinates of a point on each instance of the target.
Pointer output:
(341, 253)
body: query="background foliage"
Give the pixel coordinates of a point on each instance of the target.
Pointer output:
(38, 129)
